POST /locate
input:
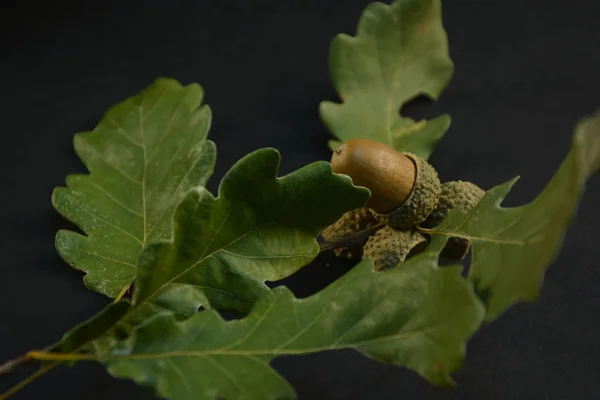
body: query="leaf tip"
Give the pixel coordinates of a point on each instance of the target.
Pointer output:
(499, 192)
(587, 140)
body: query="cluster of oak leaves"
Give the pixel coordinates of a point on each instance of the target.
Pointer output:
(151, 229)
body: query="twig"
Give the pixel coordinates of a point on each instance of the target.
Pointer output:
(11, 364)
(8, 366)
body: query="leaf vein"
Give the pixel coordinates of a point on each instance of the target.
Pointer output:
(115, 200)
(107, 222)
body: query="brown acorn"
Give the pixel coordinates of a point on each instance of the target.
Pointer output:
(404, 188)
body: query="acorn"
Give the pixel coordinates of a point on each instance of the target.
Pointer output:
(404, 187)
(390, 247)
(463, 196)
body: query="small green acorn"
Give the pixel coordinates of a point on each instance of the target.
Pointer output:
(463, 196)
(404, 187)
(390, 247)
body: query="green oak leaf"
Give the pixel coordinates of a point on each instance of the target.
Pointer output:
(400, 52)
(146, 153)
(417, 315)
(513, 246)
(259, 228)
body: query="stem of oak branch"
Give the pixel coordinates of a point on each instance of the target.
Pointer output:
(10, 365)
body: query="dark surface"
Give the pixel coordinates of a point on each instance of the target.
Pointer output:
(525, 72)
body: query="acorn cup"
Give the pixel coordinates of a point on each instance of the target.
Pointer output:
(352, 222)
(390, 247)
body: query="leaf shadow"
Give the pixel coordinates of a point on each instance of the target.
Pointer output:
(317, 275)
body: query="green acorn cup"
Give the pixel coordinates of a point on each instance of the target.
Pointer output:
(390, 247)
(349, 224)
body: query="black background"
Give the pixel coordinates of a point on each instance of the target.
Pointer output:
(525, 72)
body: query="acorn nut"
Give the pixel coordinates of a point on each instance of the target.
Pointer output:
(404, 187)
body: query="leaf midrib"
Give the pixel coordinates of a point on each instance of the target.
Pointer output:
(144, 171)
(485, 239)
(246, 353)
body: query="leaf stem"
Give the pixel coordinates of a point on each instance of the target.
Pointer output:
(43, 356)
(121, 294)
(425, 230)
